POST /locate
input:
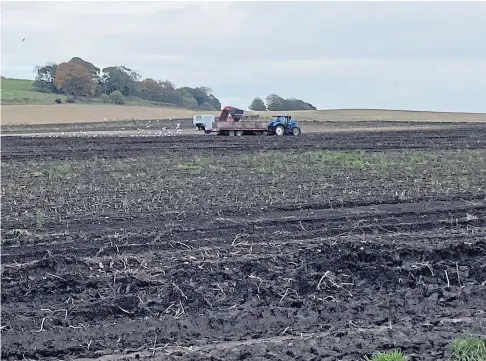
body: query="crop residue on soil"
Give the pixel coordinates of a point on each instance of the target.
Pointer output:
(324, 246)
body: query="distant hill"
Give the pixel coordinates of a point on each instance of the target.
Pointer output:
(22, 92)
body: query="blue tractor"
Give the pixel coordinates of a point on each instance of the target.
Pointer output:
(282, 124)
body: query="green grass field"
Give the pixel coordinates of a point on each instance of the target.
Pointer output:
(21, 91)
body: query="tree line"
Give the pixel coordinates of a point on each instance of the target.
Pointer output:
(78, 78)
(276, 103)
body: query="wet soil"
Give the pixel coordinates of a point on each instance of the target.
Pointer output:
(172, 271)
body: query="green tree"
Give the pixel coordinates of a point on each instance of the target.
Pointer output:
(168, 93)
(187, 100)
(119, 78)
(203, 96)
(258, 105)
(45, 77)
(297, 104)
(277, 103)
(105, 98)
(206, 106)
(116, 97)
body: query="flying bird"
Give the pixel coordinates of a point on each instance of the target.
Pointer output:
(23, 39)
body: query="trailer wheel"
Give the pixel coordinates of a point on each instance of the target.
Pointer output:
(239, 133)
(231, 133)
(296, 131)
(279, 130)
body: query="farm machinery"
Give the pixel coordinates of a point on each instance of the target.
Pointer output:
(282, 124)
(234, 122)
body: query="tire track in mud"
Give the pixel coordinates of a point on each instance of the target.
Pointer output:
(376, 219)
(377, 290)
(371, 264)
(321, 343)
(373, 275)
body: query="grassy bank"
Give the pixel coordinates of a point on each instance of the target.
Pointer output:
(23, 92)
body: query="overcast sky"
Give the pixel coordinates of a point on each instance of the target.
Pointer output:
(397, 55)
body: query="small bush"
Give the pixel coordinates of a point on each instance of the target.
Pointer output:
(58, 101)
(117, 98)
(70, 100)
(105, 98)
(42, 90)
(468, 348)
(394, 355)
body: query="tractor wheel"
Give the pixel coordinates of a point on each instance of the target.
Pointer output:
(239, 133)
(296, 131)
(231, 133)
(279, 130)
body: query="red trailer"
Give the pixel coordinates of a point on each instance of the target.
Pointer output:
(209, 124)
(232, 121)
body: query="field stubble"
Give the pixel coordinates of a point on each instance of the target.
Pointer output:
(37, 114)
(317, 247)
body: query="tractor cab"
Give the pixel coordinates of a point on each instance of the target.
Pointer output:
(282, 118)
(282, 124)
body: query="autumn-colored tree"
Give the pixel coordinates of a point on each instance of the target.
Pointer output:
(167, 85)
(93, 70)
(150, 89)
(79, 77)
(158, 91)
(74, 79)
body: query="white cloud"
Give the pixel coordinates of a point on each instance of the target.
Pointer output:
(334, 54)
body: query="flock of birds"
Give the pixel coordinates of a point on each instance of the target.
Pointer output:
(148, 132)
(163, 132)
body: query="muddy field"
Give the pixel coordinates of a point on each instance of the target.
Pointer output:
(161, 127)
(319, 247)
